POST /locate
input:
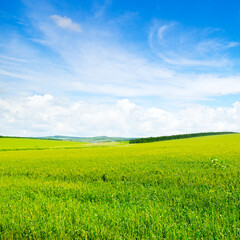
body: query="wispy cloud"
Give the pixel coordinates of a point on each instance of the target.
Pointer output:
(177, 45)
(95, 62)
(99, 9)
(161, 30)
(66, 23)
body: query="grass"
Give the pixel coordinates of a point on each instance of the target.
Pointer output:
(179, 189)
(11, 144)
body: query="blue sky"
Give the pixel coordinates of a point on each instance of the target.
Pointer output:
(119, 68)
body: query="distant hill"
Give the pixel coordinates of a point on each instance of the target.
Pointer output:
(102, 139)
(99, 139)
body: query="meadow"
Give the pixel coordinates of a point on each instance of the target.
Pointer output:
(177, 189)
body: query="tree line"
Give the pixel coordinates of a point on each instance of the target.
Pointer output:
(179, 136)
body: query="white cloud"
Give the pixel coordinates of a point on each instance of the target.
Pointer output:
(41, 115)
(66, 23)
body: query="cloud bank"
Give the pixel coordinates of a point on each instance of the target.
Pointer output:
(42, 115)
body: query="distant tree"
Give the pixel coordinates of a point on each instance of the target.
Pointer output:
(179, 136)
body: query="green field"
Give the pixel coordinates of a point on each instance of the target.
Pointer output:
(178, 189)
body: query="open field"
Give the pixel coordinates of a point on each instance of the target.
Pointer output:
(178, 189)
(7, 144)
